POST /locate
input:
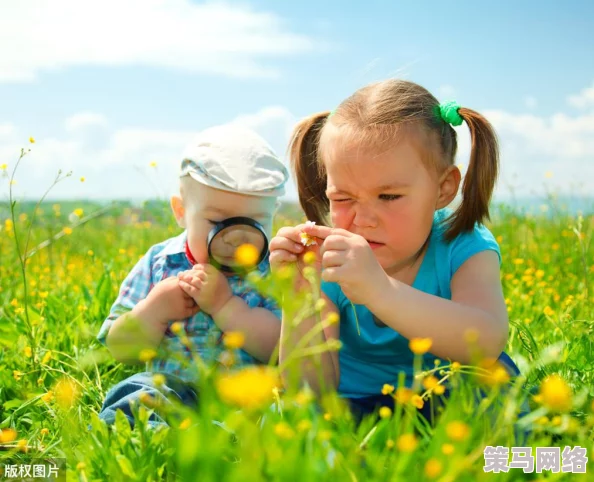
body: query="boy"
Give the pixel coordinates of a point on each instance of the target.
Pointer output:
(228, 171)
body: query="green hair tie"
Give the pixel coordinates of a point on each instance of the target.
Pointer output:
(449, 112)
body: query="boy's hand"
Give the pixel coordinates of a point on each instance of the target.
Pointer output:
(207, 286)
(168, 302)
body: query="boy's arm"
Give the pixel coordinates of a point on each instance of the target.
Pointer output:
(260, 326)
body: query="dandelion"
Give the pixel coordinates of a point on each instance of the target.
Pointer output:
(147, 354)
(82, 179)
(22, 445)
(249, 388)
(247, 255)
(234, 340)
(159, 379)
(44, 431)
(548, 311)
(31, 140)
(457, 431)
(492, 373)
(309, 257)
(17, 375)
(433, 468)
(306, 239)
(66, 393)
(555, 394)
(283, 430)
(407, 442)
(420, 346)
(67, 230)
(332, 318)
(385, 412)
(185, 424)
(79, 212)
(7, 435)
(387, 389)
(447, 449)
(177, 327)
(3, 167)
(28, 352)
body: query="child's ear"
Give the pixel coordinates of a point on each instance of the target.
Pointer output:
(177, 206)
(448, 186)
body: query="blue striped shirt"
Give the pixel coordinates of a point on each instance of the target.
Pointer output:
(162, 261)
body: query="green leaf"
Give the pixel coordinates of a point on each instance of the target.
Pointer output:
(126, 466)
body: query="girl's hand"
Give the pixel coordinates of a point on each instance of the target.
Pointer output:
(207, 286)
(286, 249)
(347, 259)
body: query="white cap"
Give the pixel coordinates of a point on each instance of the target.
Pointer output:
(234, 158)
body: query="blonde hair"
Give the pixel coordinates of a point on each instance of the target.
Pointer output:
(380, 112)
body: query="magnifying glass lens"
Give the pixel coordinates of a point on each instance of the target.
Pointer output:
(238, 246)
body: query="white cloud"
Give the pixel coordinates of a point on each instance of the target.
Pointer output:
(119, 166)
(584, 99)
(212, 37)
(532, 146)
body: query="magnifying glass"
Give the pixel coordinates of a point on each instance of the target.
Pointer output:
(228, 235)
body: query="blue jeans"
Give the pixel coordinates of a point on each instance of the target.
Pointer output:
(120, 395)
(361, 407)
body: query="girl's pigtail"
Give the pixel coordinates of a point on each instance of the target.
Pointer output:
(480, 178)
(309, 172)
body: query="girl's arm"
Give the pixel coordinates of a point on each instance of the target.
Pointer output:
(477, 305)
(320, 371)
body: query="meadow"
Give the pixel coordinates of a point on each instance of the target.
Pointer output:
(61, 264)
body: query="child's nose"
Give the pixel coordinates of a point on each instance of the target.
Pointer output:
(235, 238)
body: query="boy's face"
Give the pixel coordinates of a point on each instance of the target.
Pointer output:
(201, 207)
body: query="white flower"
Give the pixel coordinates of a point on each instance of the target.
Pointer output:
(306, 239)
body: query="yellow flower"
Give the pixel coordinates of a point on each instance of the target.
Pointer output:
(556, 394)
(407, 442)
(492, 373)
(22, 445)
(66, 393)
(309, 257)
(47, 357)
(79, 212)
(548, 311)
(447, 449)
(44, 431)
(7, 435)
(304, 425)
(385, 412)
(177, 327)
(153, 164)
(403, 395)
(4, 167)
(82, 179)
(283, 430)
(420, 346)
(430, 382)
(28, 352)
(81, 466)
(332, 318)
(67, 230)
(304, 397)
(439, 390)
(31, 140)
(387, 389)
(327, 417)
(186, 422)
(433, 468)
(417, 401)
(17, 375)
(159, 379)
(390, 444)
(249, 388)
(457, 431)
(8, 225)
(48, 396)
(247, 255)
(234, 340)
(147, 354)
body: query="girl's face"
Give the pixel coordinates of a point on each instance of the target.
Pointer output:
(387, 197)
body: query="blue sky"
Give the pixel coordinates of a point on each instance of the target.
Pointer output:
(106, 89)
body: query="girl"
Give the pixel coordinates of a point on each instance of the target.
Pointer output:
(381, 166)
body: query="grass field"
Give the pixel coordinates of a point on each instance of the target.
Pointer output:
(54, 375)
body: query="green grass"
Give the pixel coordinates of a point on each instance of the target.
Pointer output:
(548, 263)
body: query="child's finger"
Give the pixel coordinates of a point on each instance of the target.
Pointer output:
(285, 244)
(190, 289)
(290, 232)
(281, 256)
